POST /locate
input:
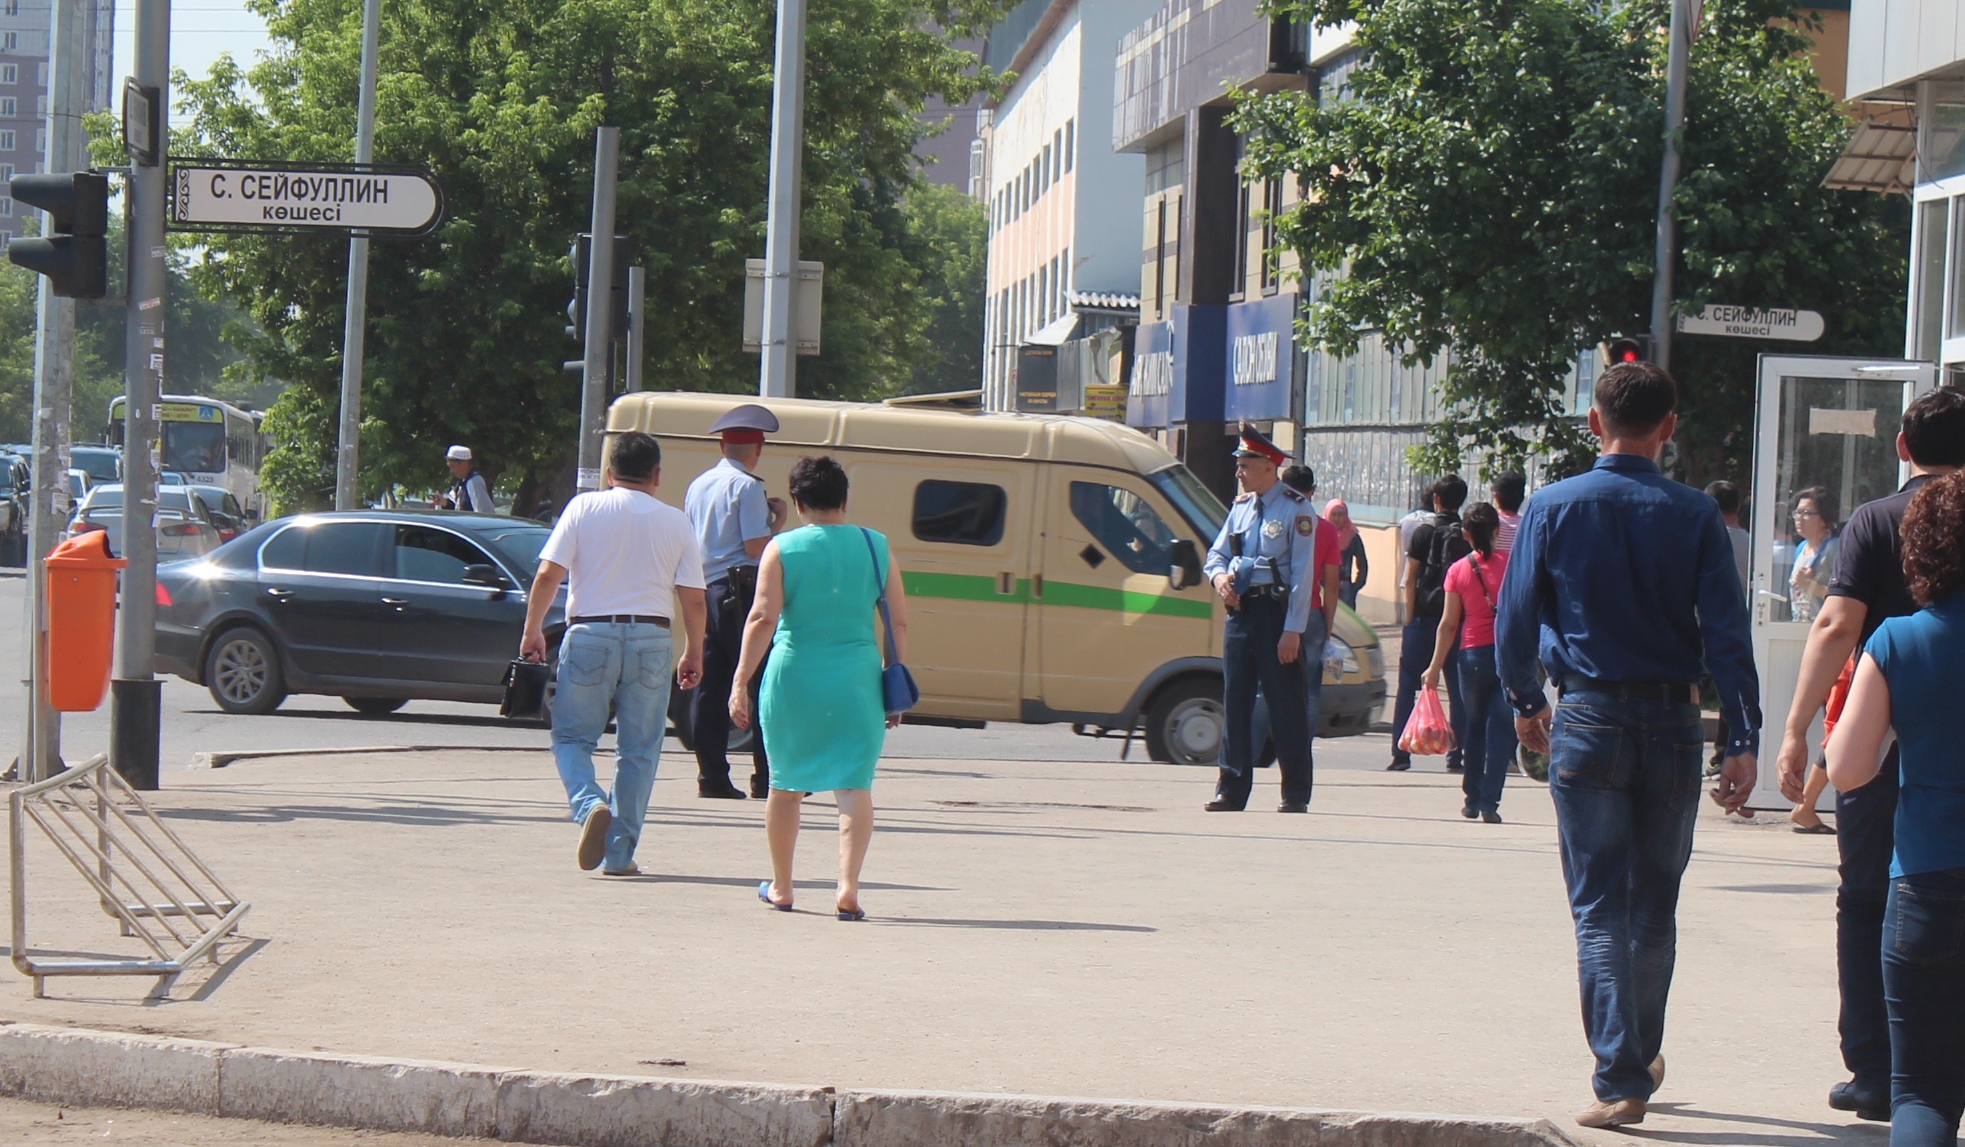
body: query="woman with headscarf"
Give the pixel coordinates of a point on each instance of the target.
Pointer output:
(1352, 567)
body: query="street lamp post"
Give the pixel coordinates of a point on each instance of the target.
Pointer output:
(778, 360)
(1666, 254)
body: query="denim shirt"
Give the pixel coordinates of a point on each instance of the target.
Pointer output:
(1621, 574)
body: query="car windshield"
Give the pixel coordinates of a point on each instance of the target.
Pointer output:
(101, 465)
(519, 545)
(1196, 502)
(104, 498)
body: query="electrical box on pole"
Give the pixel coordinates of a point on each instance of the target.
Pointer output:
(75, 255)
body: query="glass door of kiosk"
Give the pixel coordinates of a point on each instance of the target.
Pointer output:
(1825, 443)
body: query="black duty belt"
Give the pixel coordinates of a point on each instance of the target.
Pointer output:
(1279, 592)
(1670, 692)
(618, 619)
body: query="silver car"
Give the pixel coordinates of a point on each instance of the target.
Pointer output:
(184, 526)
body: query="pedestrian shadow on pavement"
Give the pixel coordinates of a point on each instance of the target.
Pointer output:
(424, 816)
(747, 882)
(1814, 1134)
(1017, 925)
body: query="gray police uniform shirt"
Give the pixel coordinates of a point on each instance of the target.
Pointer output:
(727, 506)
(1279, 533)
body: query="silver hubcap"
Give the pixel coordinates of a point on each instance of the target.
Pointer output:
(1194, 731)
(240, 672)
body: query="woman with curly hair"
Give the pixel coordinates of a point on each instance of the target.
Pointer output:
(1907, 683)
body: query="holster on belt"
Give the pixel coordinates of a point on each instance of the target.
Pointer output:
(743, 589)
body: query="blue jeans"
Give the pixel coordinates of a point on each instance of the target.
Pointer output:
(1415, 654)
(1624, 774)
(1924, 988)
(1490, 728)
(627, 668)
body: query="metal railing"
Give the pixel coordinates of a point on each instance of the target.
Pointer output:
(116, 841)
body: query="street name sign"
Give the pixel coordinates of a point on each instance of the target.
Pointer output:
(1754, 323)
(302, 198)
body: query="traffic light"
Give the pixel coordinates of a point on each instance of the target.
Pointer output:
(74, 255)
(576, 311)
(1624, 348)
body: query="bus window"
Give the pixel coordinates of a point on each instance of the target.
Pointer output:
(194, 447)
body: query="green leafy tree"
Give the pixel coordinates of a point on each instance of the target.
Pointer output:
(501, 101)
(1486, 186)
(948, 247)
(17, 295)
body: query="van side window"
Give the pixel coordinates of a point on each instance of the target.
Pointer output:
(1124, 524)
(959, 513)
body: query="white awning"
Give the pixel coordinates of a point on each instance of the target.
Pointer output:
(1881, 155)
(1060, 330)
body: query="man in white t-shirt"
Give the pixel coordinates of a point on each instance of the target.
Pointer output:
(632, 560)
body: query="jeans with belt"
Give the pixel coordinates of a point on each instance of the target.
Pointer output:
(1865, 839)
(1490, 727)
(1924, 984)
(1624, 774)
(625, 667)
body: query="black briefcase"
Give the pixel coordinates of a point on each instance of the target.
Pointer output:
(525, 690)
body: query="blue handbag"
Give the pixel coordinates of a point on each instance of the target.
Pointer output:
(897, 687)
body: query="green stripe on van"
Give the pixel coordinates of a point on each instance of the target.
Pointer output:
(972, 587)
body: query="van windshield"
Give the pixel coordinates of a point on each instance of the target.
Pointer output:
(1203, 511)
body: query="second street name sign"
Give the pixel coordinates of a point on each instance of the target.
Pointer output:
(1754, 323)
(243, 195)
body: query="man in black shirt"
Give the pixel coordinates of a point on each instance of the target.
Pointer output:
(1867, 589)
(1434, 546)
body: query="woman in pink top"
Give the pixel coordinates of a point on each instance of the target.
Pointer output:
(1472, 586)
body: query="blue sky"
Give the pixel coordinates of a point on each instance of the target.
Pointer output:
(201, 32)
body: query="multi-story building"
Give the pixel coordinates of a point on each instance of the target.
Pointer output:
(1063, 255)
(25, 27)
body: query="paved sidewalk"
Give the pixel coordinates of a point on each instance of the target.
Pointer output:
(1058, 928)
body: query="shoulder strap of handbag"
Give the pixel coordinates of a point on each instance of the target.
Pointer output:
(880, 584)
(1482, 578)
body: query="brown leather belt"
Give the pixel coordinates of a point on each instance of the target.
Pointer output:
(618, 619)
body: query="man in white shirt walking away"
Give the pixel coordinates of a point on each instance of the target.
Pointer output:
(632, 561)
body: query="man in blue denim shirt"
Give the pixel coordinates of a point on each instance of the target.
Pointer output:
(1624, 580)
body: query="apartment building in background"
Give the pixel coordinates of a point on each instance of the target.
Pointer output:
(25, 27)
(1063, 247)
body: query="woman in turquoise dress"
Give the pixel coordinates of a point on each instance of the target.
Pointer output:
(823, 717)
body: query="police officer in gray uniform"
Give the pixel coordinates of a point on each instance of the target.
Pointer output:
(734, 520)
(1261, 566)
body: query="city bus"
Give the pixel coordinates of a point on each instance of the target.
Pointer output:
(211, 443)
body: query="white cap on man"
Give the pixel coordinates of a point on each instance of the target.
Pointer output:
(458, 454)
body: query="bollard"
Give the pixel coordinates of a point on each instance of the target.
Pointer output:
(81, 621)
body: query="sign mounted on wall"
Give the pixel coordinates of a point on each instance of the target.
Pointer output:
(303, 198)
(1784, 323)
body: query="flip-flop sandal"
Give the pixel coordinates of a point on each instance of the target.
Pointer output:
(764, 894)
(855, 914)
(1817, 829)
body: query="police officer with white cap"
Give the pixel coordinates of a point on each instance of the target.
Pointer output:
(1262, 566)
(470, 493)
(734, 520)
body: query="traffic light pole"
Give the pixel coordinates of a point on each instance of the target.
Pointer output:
(600, 309)
(778, 360)
(135, 694)
(354, 330)
(1666, 254)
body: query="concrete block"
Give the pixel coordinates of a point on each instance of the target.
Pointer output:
(622, 1111)
(109, 1069)
(941, 1119)
(359, 1091)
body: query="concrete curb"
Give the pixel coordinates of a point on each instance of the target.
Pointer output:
(219, 760)
(111, 1069)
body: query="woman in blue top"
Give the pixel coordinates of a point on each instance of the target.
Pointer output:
(1908, 681)
(821, 709)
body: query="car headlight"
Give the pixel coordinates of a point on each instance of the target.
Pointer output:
(1375, 656)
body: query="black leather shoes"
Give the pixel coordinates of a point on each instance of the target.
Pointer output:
(1398, 766)
(1871, 1105)
(1293, 806)
(1220, 805)
(1469, 811)
(1490, 818)
(726, 792)
(760, 789)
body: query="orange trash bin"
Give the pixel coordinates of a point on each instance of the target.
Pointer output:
(81, 621)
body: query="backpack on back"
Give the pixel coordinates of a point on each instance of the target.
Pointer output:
(1448, 545)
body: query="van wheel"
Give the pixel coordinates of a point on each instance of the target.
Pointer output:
(1185, 723)
(242, 672)
(375, 706)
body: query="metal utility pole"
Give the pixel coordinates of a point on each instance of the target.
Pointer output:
(1666, 255)
(54, 381)
(600, 309)
(778, 360)
(354, 328)
(637, 328)
(135, 694)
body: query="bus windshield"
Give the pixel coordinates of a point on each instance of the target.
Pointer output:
(194, 447)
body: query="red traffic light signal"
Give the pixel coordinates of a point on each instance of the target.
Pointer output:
(74, 255)
(1623, 349)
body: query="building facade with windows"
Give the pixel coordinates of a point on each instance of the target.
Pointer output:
(1062, 258)
(25, 31)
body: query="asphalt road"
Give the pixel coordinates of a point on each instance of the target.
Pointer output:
(193, 724)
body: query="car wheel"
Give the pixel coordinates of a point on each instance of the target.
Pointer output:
(1185, 723)
(376, 706)
(242, 672)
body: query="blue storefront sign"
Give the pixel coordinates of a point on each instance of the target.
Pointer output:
(1259, 359)
(1153, 374)
(1177, 370)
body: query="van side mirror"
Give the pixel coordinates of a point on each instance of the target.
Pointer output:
(1184, 564)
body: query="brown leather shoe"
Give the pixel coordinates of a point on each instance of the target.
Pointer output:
(1657, 1073)
(593, 837)
(1611, 1113)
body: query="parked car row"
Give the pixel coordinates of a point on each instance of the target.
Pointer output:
(185, 528)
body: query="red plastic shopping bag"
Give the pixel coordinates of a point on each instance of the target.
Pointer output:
(1427, 733)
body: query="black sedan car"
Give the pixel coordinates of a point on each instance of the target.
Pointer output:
(377, 607)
